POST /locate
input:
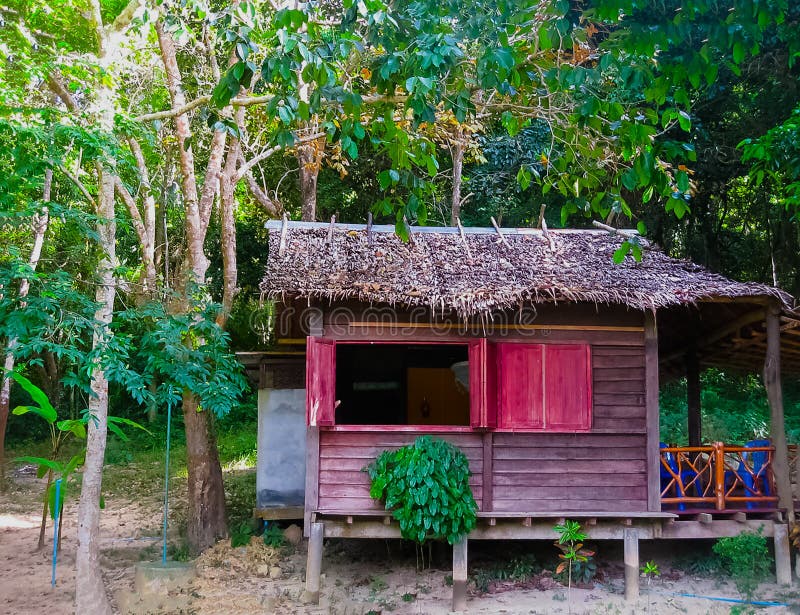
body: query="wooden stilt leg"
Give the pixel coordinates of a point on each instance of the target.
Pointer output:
(460, 575)
(631, 564)
(314, 563)
(783, 559)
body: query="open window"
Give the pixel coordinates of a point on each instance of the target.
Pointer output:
(402, 384)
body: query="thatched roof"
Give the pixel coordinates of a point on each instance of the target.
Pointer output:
(483, 271)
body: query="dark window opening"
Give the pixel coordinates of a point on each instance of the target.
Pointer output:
(402, 384)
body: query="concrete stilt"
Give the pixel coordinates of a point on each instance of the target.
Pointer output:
(631, 564)
(460, 575)
(783, 558)
(314, 563)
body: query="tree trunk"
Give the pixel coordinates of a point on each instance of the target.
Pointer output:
(228, 225)
(309, 158)
(90, 592)
(458, 165)
(40, 224)
(206, 515)
(206, 491)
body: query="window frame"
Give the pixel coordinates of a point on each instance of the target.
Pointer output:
(486, 399)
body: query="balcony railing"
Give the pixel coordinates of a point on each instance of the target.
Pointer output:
(718, 476)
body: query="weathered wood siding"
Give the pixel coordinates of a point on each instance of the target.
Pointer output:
(342, 455)
(602, 470)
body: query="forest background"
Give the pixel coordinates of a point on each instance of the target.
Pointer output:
(143, 145)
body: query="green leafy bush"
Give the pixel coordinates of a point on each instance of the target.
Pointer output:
(426, 485)
(747, 559)
(273, 537)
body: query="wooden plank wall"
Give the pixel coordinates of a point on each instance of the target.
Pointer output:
(343, 487)
(604, 470)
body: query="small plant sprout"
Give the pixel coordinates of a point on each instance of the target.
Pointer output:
(650, 570)
(570, 543)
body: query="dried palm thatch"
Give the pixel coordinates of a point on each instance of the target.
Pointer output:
(482, 270)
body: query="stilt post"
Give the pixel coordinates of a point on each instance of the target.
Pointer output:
(460, 575)
(777, 429)
(783, 558)
(314, 563)
(631, 550)
(693, 397)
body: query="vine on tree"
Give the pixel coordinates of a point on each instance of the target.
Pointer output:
(426, 485)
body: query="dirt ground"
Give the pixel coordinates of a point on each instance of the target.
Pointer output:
(359, 576)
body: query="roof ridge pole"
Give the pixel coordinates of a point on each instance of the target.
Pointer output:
(499, 232)
(284, 231)
(777, 429)
(463, 237)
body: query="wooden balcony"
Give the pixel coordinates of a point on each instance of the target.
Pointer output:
(718, 477)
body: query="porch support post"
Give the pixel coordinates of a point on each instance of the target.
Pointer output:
(460, 575)
(631, 550)
(777, 429)
(651, 404)
(314, 563)
(693, 396)
(783, 560)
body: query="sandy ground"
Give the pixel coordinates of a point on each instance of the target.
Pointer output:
(359, 576)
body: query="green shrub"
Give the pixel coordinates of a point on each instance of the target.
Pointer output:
(747, 559)
(426, 486)
(273, 537)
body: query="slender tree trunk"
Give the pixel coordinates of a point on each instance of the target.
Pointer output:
(206, 514)
(90, 593)
(40, 224)
(309, 159)
(228, 226)
(458, 165)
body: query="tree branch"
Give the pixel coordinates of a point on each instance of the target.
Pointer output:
(78, 183)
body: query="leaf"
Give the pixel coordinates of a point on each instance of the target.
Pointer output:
(75, 426)
(621, 252)
(44, 409)
(48, 464)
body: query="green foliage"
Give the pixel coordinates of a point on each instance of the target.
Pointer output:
(576, 561)
(734, 409)
(240, 534)
(273, 537)
(747, 559)
(650, 570)
(426, 485)
(60, 432)
(519, 569)
(185, 352)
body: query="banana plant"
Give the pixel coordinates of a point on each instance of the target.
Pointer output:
(61, 431)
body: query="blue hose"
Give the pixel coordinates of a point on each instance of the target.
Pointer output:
(57, 514)
(166, 486)
(718, 599)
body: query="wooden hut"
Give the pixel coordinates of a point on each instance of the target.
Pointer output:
(540, 358)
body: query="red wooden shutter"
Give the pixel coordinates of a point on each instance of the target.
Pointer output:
(521, 392)
(568, 387)
(482, 384)
(320, 381)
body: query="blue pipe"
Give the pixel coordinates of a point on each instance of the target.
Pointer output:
(719, 599)
(166, 486)
(57, 514)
